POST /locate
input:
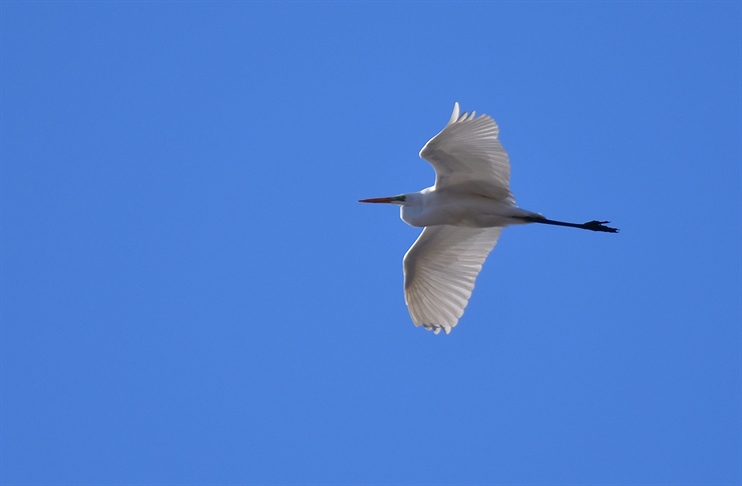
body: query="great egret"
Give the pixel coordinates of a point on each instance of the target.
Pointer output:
(463, 215)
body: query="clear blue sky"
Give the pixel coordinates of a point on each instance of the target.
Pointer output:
(192, 295)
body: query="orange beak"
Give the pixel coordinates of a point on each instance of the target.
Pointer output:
(388, 200)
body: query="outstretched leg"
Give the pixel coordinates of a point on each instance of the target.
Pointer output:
(590, 225)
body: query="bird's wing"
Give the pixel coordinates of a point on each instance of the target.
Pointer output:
(467, 156)
(439, 273)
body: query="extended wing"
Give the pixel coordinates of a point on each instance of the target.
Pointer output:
(439, 273)
(467, 156)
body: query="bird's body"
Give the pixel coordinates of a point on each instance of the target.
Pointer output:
(463, 215)
(444, 206)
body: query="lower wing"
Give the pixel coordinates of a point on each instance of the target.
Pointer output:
(440, 270)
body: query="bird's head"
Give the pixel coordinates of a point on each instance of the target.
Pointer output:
(398, 200)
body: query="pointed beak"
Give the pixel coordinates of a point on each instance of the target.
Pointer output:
(387, 200)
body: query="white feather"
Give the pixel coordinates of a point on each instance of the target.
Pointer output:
(468, 157)
(440, 270)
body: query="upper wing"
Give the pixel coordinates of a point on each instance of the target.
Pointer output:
(467, 153)
(440, 270)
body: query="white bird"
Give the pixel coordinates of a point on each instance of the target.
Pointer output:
(463, 215)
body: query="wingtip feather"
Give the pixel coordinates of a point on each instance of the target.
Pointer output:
(455, 114)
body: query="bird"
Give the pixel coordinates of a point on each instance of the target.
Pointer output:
(462, 216)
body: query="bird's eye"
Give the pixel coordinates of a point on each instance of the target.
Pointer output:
(401, 198)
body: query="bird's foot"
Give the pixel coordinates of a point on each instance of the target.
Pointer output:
(599, 226)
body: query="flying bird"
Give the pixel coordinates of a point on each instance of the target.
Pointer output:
(462, 215)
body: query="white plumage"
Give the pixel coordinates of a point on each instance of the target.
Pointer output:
(467, 152)
(463, 215)
(440, 270)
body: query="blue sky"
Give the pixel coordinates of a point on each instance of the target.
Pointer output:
(192, 295)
